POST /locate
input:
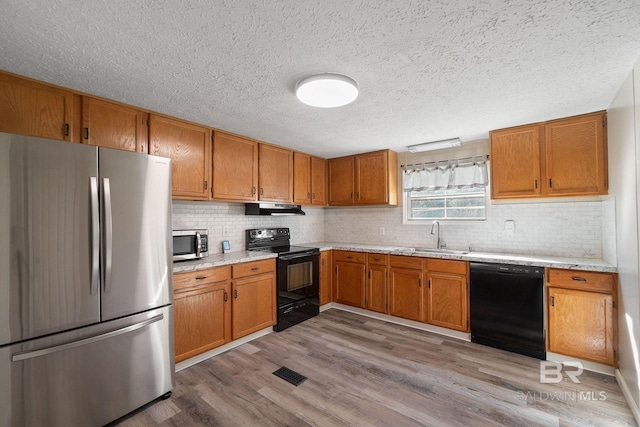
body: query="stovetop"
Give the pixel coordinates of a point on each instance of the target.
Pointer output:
(274, 240)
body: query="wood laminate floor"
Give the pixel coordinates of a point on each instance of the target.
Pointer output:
(365, 372)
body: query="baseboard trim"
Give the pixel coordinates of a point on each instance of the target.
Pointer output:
(633, 406)
(218, 350)
(586, 364)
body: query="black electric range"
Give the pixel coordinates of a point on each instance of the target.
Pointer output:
(298, 274)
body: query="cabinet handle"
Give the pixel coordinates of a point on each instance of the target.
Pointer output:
(66, 129)
(201, 277)
(253, 191)
(376, 259)
(536, 184)
(553, 301)
(349, 257)
(255, 269)
(429, 284)
(358, 195)
(261, 191)
(351, 195)
(323, 261)
(578, 279)
(235, 294)
(419, 283)
(550, 183)
(86, 133)
(369, 274)
(206, 185)
(226, 296)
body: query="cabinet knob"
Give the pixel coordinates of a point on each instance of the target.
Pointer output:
(255, 269)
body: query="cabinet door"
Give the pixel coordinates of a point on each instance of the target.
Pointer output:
(341, 180)
(350, 283)
(447, 301)
(202, 320)
(515, 162)
(235, 168)
(326, 294)
(372, 178)
(254, 304)
(37, 109)
(405, 294)
(275, 174)
(110, 125)
(581, 324)
(301, 178)
(189, 148)
(376, 298)
(318, 181)
(576, 156)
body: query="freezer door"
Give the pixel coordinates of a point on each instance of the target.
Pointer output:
(89, 376)
(49, 237)
(136, 232)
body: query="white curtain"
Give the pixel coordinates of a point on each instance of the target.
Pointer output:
(452, 174)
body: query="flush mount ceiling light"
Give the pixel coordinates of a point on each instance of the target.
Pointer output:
(435, 145)
(327, 90)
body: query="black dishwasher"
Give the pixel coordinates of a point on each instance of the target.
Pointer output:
(507, 307)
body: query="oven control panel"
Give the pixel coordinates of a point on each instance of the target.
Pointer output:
(265, 233)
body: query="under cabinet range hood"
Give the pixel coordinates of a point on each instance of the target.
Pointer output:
(272, 209)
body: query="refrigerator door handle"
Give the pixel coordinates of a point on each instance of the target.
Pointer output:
(43, 352)
(108, 234)
(95, 236)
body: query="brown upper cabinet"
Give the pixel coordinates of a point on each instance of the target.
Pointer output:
(364, 179)
(275, 174)
(111, 125)
(38, 109)
(189, 148)
(564, 157)
(309, 179)
(235, 168)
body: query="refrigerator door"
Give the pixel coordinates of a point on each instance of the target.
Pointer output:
(89, 376)
(136, 232)
(49, 237)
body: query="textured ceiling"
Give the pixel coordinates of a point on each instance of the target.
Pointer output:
(427, 70)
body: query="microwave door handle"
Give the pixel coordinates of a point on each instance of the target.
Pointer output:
(108, 234)
(95, 236)
(197, 244)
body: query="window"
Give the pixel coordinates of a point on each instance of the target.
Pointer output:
(454, 204)
(451, 190)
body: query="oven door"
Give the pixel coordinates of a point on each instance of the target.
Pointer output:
(298, 277)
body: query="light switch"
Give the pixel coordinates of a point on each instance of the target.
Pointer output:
(509, 227)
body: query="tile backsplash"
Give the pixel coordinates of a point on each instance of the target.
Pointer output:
(217, 216)
(563, 229)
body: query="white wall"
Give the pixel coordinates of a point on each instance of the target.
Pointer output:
(623, 125)
(215, 216)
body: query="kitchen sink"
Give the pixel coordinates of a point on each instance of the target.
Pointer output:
(438, 251)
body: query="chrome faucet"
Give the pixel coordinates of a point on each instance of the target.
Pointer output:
(435, 229)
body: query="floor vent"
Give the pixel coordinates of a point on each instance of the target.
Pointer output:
(291, 376)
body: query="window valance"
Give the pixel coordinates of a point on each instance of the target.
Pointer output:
(444, 175)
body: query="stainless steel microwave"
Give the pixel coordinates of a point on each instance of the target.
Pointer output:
(190, 244)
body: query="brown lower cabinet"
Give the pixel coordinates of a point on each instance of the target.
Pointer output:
(202, 311)
(349, 278)
(326, 282)
(254, 297)
(582, 314)
(376, 298)
(214, 306)
(405, 287)
(447, 296)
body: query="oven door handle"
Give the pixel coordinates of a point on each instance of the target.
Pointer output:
(298, 255)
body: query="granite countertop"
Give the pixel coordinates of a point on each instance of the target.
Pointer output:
(533, 260)
(217, 260)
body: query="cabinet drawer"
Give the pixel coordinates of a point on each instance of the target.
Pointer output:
(200, 277)
(252, 268)
(377, 259)
(405, 261)
(581, 280)
(348, 256)
(447, 266)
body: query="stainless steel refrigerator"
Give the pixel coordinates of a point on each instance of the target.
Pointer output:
(86, 315)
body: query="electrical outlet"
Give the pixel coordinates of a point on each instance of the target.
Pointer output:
(381, 231)
(225, 231)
